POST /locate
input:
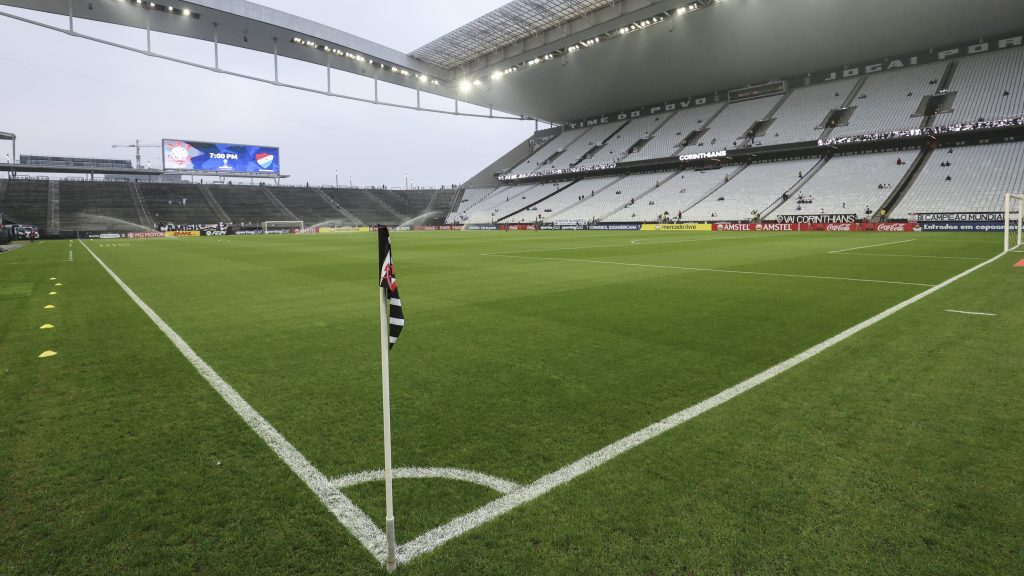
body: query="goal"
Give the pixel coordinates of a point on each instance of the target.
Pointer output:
(1014, 220)
(281, 226)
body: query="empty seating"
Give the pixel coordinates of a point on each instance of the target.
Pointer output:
(853, 184)
(97, 206)
(549, 209)
(673, 197)
(307, 205)
(750, 192)
(669, 138)
(246, 204)
(177, 203)
(989, 86)
(888, 100)
(26, 201)
(618, 145)
(625, 193)
(594, 137)
(800, 118)
(729, 128)
(536, 161)
(976, 179)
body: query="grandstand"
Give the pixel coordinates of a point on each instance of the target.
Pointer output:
(715, 311)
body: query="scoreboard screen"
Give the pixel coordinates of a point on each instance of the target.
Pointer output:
(187, 155)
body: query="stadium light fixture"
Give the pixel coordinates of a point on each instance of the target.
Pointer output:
(465, 86)
(186, 12)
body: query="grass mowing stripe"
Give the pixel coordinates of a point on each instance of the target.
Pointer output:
(347, 513)
(631, 243)
(872, 246)
(692, 269)
(488, 512)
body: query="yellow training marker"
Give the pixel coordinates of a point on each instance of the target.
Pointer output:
(46, 327)
(52, 278)
(58, 284)
(49, 307)
(53, 293)
(48, 354)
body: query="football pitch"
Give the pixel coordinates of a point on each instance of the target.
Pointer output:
(562, 403)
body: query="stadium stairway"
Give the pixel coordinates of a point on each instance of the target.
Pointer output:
(791, 193)
(638, 197)
(716, 188)
(846, 105)
(53, 209)
(538, 201)
(339, 208)
(947, 77)
(900, 190)
(140, 207)
(217, 209)
(277, 203)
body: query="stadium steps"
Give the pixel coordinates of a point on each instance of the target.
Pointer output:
(339, 208)
(716, 188)
(639, 144)
(949, 98)
(904, 184)
(24, 203)
(214, 205)
(538, 201)
(640, 196)
(53, 209)
(847, 103)
(387, 207)
(587, 198)
(600, 146)
(696, 134)
(761, 126)
(947, 77)
(140, 207)
(551, 158)
(443, 201)
(278, 204)
(795, 187)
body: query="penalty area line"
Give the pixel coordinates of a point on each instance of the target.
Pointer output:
(346, 512)
(438, 536)
(872, 246)
(971, 313)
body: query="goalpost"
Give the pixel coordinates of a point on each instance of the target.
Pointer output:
(1014, 219)
(282, 225)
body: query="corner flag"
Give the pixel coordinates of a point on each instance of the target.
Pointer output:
(396, 319)
(391, 323)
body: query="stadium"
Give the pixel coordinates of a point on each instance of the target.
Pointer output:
(694, 287)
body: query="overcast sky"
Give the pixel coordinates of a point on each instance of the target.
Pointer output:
(74, 97)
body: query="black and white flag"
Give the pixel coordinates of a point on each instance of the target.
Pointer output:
(396, 320)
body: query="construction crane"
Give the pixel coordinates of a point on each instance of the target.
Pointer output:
(138, 150)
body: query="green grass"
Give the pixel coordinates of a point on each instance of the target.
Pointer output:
(895, 452)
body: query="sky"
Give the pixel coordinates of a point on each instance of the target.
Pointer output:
(75, 97)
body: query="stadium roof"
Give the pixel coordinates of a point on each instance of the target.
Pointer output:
(562, 60)
(507, 25)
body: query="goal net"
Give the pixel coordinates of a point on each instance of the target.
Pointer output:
(1014, 220)
(281, 226)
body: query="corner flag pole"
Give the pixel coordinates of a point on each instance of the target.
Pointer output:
(385, 373)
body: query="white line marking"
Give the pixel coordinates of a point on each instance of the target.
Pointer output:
(971, 313)
(908, 256)
(493, 482)
(438, 536)
(71, 256)
(872, 246)
(347, 513)
(631, 243)
(720, 271)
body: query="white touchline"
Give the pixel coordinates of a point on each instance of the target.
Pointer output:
(908, 256)
(493, 482)
(438, 536)
(872, 246)
(347, 513)
(717, 270)
(971, 313)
